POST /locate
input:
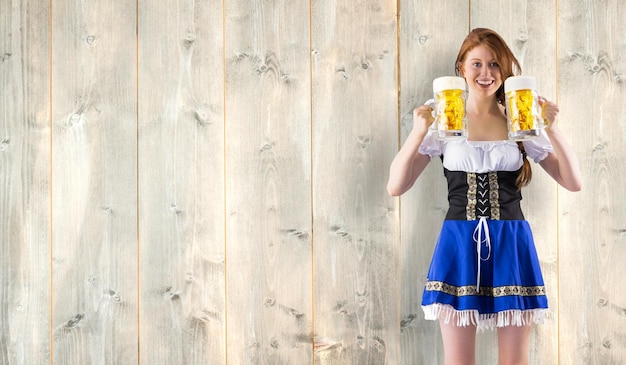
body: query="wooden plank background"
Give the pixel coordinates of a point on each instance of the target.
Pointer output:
(202, 181)
(94, 279)
(268, 196)
(25, 244)
(592, 249)
(356, 246)
(180, 182)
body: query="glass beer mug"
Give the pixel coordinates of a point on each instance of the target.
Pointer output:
(522, 107)
(449, 107)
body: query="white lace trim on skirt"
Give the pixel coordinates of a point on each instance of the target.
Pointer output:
(471, 317)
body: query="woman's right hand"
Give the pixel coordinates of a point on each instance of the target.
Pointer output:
(408, 163)
(422, 118)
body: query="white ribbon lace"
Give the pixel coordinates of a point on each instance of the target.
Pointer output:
(481, 235)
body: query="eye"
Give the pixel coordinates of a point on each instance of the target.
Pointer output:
(476, 64)
(494, 65)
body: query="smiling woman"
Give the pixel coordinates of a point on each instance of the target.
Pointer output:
(485, 271)
(486, 52)
(481, 71)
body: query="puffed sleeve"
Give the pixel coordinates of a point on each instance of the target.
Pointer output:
(539, 147)
(431, 145)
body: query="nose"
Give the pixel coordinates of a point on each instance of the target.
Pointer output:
(484, 70)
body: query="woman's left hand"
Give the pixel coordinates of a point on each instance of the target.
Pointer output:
(549, 111)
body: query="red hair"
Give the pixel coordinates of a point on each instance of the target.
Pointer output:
(509, 66)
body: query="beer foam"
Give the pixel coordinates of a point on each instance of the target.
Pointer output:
(520, 83)
(448, 83)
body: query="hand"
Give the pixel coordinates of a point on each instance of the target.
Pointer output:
(549, 111)
(422, 118)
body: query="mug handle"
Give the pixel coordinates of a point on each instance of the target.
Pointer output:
(545, 122)
(431, 104)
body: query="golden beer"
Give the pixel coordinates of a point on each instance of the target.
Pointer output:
(524, 120)
(449, 107)
(520, 103)
(450, 110)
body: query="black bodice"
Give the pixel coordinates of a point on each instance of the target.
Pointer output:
(491, 194)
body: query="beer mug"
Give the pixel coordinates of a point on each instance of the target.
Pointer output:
(522, 107)
(449, 107)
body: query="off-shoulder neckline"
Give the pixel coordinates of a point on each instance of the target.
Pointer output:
(488, 145)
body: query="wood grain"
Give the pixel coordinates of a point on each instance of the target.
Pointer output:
(94, 205)
(203, 182)
(181, 176)
(426, 52)
(592, 248)
(268, 182)
(24, 183)
(356, 246)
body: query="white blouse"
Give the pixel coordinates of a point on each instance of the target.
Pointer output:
(484, 156)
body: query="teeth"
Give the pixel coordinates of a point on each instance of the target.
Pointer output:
(485, 82)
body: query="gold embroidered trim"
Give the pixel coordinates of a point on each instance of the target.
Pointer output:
(494, 195)
(501, 291)
(470, 209)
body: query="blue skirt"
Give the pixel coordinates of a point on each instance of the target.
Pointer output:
(485, 273)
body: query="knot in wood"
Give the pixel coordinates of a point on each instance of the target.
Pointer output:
(523, 37)
(191, 36)
(74, 321)
(201, 116)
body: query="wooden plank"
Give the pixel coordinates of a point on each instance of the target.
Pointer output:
(529, 28)
(94, 205)
(427, 51)
(592, 251)
(355, 134)
(181, 176)
(24, 182)
(268, 193)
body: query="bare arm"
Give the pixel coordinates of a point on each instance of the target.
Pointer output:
(409, 163)
(562, 165)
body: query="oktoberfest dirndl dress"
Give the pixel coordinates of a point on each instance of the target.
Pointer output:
(484, 270)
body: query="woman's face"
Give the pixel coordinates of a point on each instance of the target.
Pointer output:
(481, 72)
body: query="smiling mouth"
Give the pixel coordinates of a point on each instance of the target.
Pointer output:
(485, 82)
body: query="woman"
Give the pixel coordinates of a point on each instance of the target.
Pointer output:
(484, 271)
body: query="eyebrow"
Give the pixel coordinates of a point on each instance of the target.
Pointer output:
(480, 59)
